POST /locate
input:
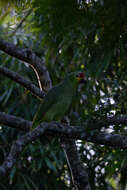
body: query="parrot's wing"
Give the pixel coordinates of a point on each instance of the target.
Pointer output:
(52, 97)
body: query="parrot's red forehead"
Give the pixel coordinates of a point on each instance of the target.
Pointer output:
(81, 75)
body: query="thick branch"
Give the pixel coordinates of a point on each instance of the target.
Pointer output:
(53, 129)
(21, 80)
(6, 119)
(15, 122)
(30, 57)
(79, 173)
(114, 120)
(58, 130)
(78, 170)
(113, 140)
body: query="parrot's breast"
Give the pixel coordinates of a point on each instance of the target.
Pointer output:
(56, 103)
(58, 109)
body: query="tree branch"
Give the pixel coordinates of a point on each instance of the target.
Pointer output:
(78, 170)
(58, 130)
(15, 122)
(114, 120)
(30, 57)
(17, 148)
(21, 80)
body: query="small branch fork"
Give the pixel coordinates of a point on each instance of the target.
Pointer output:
(32, 59)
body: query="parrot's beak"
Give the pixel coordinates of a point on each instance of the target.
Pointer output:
(81, 78)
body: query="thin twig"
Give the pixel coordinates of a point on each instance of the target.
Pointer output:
(21, 22)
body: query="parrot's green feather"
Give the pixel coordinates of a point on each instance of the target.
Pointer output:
(57, 101)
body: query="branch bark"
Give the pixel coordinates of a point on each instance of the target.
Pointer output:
(31, 58)
(21, 80)
(15, 122)
(17, 148)
(114, 120)
(78, 170)
(56, 129)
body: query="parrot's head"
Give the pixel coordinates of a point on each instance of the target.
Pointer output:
(77, 77)
(80, 77)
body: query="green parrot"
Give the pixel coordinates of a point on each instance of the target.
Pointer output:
(58, 99)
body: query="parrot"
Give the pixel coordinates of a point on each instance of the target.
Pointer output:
(58, 100)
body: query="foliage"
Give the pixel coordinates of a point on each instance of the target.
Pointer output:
(88, 35)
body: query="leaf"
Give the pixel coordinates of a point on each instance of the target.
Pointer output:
(103, 63)
(32, 183)
(49, 164)
(8, 95)
(25, 181)
(12, 174)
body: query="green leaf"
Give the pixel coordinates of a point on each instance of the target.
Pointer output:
(12, 174)
(50, 164)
